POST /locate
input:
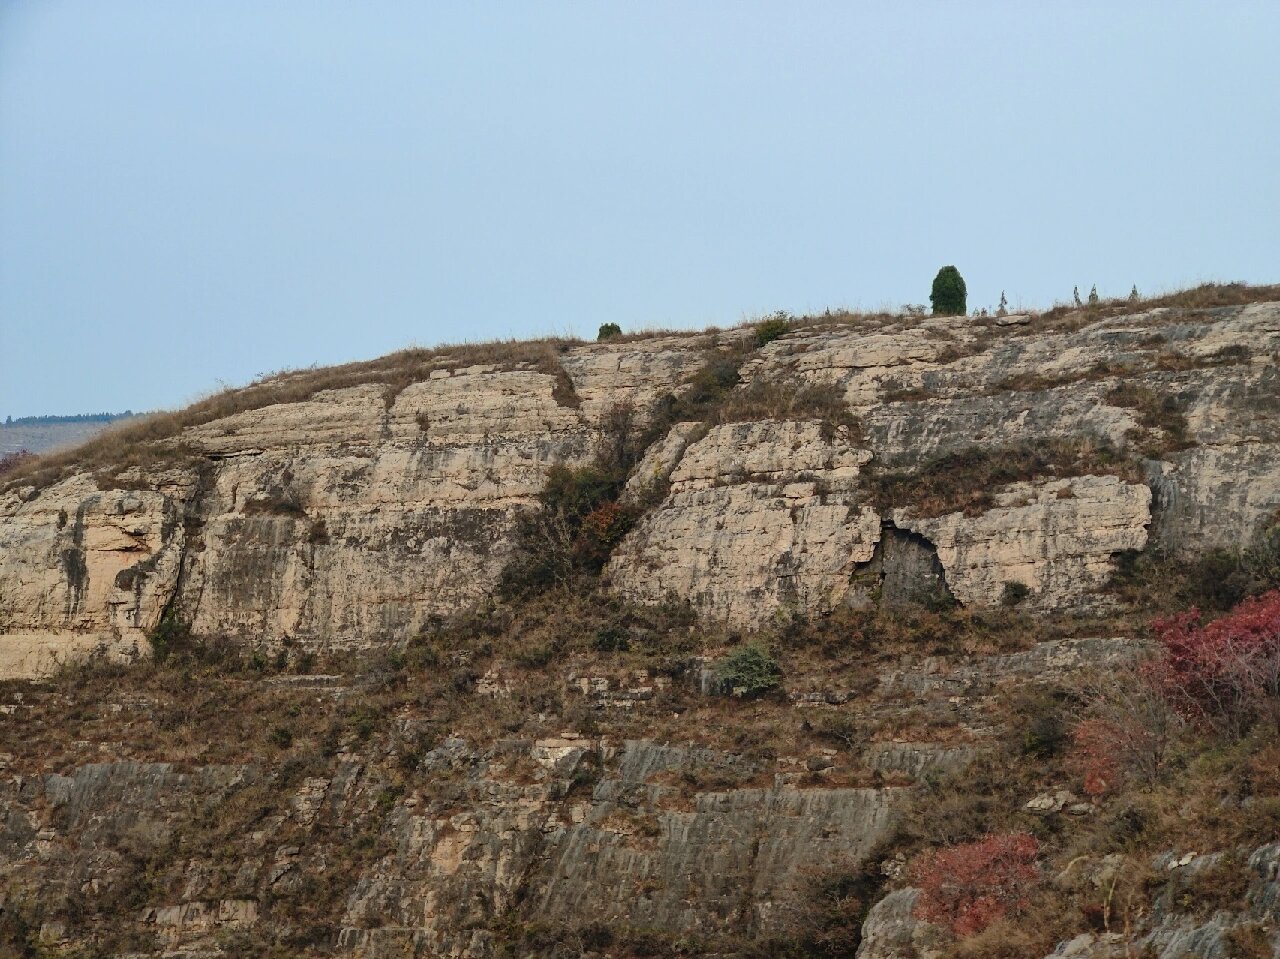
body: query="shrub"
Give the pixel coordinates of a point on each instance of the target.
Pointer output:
(1094, 756)
(702, 398)
(608, 331)
(828, 917)
(612, 638)
(1125, 733)
(968, 887)
(949, 296)
(750, 670)
(1225, 673)
(1014, 593)
(1039, 716)
(11, 461)
(170, 635)
(777, 325)
(1261, 561)
(579, 524)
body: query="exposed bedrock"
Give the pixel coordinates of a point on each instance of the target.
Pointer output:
(351, 516)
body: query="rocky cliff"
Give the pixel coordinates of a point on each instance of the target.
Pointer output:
(350, 517)
(358, 737)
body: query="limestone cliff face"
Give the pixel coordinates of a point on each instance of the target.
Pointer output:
(504, 789)
(350, 517)
(760, 515)
(1056, 537)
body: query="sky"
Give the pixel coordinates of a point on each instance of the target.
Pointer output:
(193, 194)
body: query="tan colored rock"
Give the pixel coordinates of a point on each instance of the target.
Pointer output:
(857, 359)
(1216, 496)
(769, 452)
(345, 519)
(349, 543)
(33, 655)
(637, 372)
(351, 516)
(77, 559)
(660, 459)
(1056, 537)
(741, 534)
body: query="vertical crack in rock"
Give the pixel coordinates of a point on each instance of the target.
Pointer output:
(759, 516)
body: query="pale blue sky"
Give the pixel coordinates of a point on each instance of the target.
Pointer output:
(196, 192)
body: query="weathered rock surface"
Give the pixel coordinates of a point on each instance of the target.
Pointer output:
(350, 517)
(635, 373)
(759, 516)
(1056, 537)
(342, 520)
(1176, 929)
(892, 932)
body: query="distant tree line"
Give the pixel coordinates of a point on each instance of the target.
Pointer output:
(73, 418)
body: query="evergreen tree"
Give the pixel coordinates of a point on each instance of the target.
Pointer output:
(949, 293)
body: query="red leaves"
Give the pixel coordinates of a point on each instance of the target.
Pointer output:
(968, 887)
(1225, 671)
(608, 523)
(1095, 755)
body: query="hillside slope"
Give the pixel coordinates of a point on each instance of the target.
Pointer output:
(678, 644)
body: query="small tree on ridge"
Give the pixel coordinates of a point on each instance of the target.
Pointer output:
(949, 296)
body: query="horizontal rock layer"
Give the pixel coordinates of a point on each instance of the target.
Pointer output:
(352, 516)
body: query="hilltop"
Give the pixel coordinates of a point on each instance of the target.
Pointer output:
(713, 643)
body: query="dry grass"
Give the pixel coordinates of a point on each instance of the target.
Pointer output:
(789, 399)
(401, 704)
(966, 480)
(1207, 296)
(138, 441)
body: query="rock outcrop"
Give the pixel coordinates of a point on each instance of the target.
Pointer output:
(351, 516)
(1055, 537)
(759, 516)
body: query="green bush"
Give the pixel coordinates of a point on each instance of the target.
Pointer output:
(1014, 593)
(611, 639)
(573, 534)
(750, 670)
(949, 296)
(608, 331)
(1262, 559)
(772, 328)
(170, 635)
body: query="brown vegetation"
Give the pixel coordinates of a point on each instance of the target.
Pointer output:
(151, 441)
(966, 480)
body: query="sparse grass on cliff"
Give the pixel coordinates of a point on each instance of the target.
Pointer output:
(153, 441)
(1206, 296)
(966, 480)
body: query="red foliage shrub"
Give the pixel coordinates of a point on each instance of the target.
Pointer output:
(608, 523)
(1224, 673)
(1095, 755)
(602, 529)
(968, 887)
